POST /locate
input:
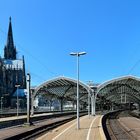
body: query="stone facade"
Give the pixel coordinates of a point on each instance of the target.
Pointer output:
(12, 71)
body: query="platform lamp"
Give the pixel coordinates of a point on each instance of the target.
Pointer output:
(78, 54)
(17, 86)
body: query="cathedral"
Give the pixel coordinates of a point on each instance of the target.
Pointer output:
(12, 74)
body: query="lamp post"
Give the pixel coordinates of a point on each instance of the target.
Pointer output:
(28, 99)
(78, 54)
(1, 104)
(17, 86)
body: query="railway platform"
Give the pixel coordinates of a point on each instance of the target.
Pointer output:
(22, 117)
(90, 128)
(21, 131)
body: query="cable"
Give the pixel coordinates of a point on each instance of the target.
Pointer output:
(133, 67)
(37, 76)
(34, 58)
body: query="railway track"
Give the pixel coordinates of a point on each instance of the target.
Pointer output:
(30, 133)
(115, 130)
(15, 121)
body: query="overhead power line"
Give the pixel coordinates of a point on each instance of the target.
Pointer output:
(31, 55)
(134, 66)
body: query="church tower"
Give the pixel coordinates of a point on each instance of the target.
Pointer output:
(10, 50)
(13, 73)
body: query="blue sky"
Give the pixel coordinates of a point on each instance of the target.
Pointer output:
(46, 31)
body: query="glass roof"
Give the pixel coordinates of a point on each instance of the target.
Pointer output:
(117, 89)
(63, 87)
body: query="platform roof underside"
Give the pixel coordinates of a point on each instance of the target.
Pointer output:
(115, 90)
(63, 88)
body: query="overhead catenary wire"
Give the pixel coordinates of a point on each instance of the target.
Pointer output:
(39, 61)
(133, 67)
(34, 58)
(40, 78)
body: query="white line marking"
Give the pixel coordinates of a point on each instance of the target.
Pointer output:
(66, 130)
(90, 127)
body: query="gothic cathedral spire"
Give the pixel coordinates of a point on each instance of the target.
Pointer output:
(10, 50)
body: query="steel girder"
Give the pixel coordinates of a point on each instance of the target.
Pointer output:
(112, 89)
(63, 87)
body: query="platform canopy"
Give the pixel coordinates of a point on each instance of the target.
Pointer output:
(63, 88)
(121, 90)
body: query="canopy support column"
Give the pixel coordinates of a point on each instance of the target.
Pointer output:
(121, 98)
(125, 98)
(61, 104)
(74, 106)
(93, 105)
(139, 107)
(88, 103)
(50, 104)
(32, 104)
(112, 106)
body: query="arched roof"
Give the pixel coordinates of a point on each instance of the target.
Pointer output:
(115, 88)
(63, 87)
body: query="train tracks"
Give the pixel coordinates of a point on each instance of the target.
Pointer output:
(28, 133)
(115, 130)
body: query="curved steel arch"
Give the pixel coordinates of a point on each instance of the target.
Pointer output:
(118, 90)
(129, 97)
(101, 86)
(122, 83)
(63, 82)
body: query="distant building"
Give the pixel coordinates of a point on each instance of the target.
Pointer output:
(12, 72)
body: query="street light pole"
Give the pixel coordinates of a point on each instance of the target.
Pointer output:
(17, 86)
(28, 99)
(78, 123)
(78, 54)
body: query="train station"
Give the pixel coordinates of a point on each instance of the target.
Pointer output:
(104, 111)
(69, 70)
